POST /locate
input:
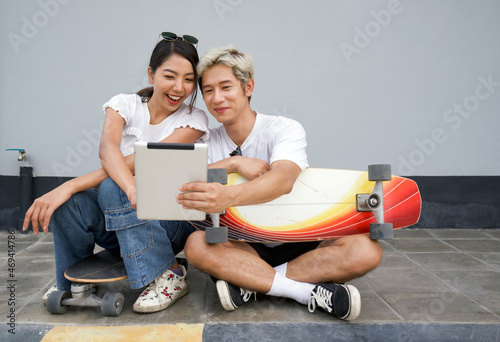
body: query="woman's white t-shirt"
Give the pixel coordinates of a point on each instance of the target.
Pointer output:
(138, 129)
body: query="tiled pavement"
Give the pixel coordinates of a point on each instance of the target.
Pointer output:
(438, 284)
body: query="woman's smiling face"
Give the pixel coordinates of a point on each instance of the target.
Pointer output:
(172, 82)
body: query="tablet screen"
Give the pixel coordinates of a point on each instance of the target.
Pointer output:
(160, 169)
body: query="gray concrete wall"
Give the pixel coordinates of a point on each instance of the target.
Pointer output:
(412, 83)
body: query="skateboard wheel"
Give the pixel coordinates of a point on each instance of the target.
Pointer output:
(112, 304)
(54, 302)
(216, 234)
(379, 172)
(381, 231)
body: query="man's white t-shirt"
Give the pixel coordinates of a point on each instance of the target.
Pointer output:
(272, 138)
(138, 129)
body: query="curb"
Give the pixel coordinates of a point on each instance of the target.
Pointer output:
(336, 331)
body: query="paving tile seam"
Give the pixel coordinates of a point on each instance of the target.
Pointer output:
(470, 298)
(412, 261)
(107, 324)
(35, 244)
(485, 238)
(333, 323)
(437, 269)
(444, 252)
(38, 257)
(438, 233)
(449, 245)
(495, 268)
(37, 296)
(401, 318)
(489, 266)
(26, 303)
(38, 242)
(441, 280)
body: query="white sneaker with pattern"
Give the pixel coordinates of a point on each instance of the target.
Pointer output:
(162, 292)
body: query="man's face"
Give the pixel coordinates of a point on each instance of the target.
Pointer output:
(223, 94)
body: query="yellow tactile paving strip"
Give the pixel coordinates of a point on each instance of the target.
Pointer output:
(171, 333)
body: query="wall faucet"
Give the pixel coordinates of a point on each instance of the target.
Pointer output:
(22, 153)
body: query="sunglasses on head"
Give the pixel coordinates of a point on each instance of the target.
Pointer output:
(170, 37)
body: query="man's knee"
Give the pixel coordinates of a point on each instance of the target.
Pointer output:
(362, 254)
(195, 247)
(370, 254)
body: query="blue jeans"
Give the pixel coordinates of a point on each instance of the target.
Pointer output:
(77, 226)
(148, 248)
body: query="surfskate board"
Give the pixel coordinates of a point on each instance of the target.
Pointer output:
(326, 204)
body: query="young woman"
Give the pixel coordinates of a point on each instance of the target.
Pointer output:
(75, 210)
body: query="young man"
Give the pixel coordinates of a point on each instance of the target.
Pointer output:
(270, 151)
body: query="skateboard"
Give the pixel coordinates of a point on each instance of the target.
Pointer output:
(86, 276)
(324, 204)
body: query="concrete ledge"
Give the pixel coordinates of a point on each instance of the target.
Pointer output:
(342, 331)
(335, 331)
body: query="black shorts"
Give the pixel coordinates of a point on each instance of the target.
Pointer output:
(286, 252)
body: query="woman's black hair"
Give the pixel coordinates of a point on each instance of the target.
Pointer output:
(163, 50)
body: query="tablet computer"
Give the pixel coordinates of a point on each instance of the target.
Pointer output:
(160, 169)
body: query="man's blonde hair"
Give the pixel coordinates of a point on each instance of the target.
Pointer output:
(241, 63)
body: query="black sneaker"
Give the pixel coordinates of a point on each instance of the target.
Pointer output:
(231, 297)
(183, 262)
(342, 301)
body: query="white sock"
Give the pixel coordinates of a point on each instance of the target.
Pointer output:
(281, 269)
(285, 287)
